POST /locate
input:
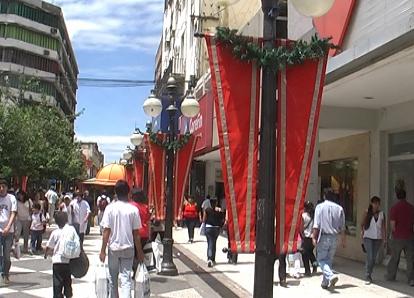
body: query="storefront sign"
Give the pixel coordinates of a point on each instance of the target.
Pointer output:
(202, 124)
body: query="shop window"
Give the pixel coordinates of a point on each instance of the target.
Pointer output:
(401, 143)
(341, 177)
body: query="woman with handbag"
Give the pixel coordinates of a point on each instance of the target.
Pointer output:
(373, 233)
(308, 257)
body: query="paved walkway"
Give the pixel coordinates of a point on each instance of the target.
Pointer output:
(239, 277)
(31, 277)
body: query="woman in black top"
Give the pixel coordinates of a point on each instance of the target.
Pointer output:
(213, 219)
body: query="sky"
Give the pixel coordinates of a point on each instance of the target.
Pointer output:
(115, 39)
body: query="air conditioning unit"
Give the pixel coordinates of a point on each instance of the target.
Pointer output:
(46, 52)
(53, 30)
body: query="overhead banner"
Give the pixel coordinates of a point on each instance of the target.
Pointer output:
(182, 166)
(236, 92)
(129, 175)
(299, 101)
(157, 177)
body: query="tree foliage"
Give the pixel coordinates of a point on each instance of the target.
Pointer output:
(36, 140)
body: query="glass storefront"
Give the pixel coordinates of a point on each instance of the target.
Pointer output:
(341, 177)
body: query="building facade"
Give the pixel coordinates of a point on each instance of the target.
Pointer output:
(94, 159)
(366, 133)
(34, 44)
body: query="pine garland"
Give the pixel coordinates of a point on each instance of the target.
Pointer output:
(279, 57)
(175, 145)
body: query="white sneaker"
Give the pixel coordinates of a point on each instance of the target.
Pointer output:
(210, 263)
(333, 281)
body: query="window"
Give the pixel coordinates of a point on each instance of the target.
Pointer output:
(341, 176)
(401, 143)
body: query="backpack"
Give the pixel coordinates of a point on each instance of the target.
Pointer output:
(70, 243)
(103, 202)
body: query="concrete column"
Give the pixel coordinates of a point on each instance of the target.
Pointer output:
(313, 193)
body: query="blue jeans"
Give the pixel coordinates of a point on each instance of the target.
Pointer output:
(326, 249)
(120, 263)
(212, 234)
(36, 240)
(372, 247)
(6, 243)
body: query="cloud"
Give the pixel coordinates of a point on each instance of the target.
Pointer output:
(108, 25)
(111, 146)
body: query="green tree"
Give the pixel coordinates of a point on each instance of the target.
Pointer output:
(36, 140)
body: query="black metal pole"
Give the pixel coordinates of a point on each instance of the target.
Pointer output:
(167, 266)
(265, 223)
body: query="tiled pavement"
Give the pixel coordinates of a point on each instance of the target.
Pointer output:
(31, 277)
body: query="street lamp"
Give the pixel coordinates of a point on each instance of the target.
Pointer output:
(136, 138)
(265, 224)
(313, 8)
(123, 162)
(189, 108)
(127, 154)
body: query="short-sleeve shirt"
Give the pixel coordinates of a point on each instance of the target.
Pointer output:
(8, 204)
(55, 243)
(329, 218)
(206, 204)
(403, 215)
(307, 224)
(122, 220)
(51, 196)
(145, 217)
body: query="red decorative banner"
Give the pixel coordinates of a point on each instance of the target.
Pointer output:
(157, 177)
(299, 93)
(182, 166)
(129, 175)
(139, 169)
(236, 91)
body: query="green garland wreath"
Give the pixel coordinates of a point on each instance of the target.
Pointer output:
(245, 49)
(175, 145)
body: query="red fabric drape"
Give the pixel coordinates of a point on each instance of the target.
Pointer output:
(157, 177)
(182, 166)
(24, 183)
(129, 175)
(299, 94)
(139, 169)
(236, 91)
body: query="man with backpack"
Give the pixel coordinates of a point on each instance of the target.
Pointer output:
(63, 245)
(102, 201)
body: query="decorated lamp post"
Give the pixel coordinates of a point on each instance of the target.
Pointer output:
(189, 108)
(265, 229)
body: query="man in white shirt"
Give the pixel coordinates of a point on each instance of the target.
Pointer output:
(52, 198)
(102, 201)
(121, 224)
(8, 212)
(79, 211)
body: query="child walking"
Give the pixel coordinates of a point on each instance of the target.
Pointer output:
(62, 280)
(37, 228)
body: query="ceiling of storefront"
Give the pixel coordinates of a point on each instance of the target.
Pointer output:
(385, 83)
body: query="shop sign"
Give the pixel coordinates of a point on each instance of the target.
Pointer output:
(202, 124)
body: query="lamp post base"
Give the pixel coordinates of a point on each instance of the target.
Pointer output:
(168, 269)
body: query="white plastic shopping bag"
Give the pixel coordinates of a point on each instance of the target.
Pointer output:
(142, 282)
(157, 249)
(101, 281)
(148, 255)
(203, 229)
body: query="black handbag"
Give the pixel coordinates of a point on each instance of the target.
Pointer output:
(79, 266)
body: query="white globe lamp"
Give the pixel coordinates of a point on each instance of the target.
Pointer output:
(127, 154)
(123, 162)
(190, 106)
(152, 105)
(313, 8)
(136, 139)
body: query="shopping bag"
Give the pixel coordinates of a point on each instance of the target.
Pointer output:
(101, 281)
(148, 255)
(203, 229)
(142, 282)
(158, 250)
(16, 250)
